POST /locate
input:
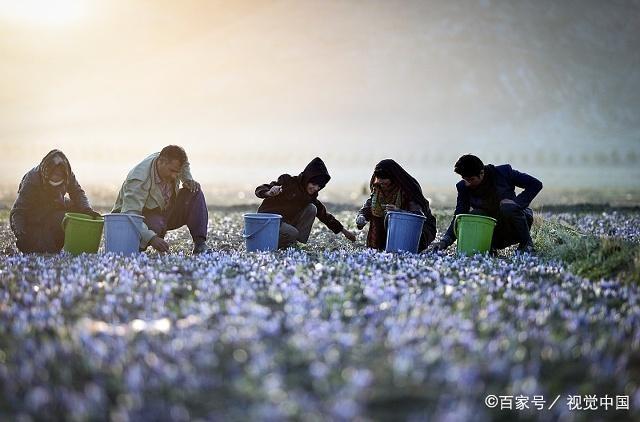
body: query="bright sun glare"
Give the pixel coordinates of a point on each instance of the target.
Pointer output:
(43, 12)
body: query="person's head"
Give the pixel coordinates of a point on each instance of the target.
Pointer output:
(56, 175)
(382, 179)
(316, 184)
(170, 162)
(471, 168)
(54, 168)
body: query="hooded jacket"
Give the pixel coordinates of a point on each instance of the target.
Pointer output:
(294, 197)
(37, 198)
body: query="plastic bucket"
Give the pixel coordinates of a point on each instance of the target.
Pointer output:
(82, 233)
(474, 233)
(261, 231)
(403, 231)
(122, 233)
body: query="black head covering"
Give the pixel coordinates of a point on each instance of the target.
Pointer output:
(315, 172)
(391, 170)
(54, 159)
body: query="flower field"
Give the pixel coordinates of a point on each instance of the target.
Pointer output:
(330, 330)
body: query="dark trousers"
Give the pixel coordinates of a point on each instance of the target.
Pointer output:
(299, 230)
(188, 208)
(45, 236)
(513, 226)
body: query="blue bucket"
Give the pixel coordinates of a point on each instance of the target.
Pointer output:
(261, 231)
(403, 231)
(122, 233)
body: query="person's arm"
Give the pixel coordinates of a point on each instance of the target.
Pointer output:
(185, 173)
(364, 214)
(463, 206)
(414, 208)
(530, 184)
(77, 195)
(262, 190)
(133, 200)
(326, 218)
(27, 199)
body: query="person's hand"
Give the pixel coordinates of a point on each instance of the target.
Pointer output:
(274, 191)
(390, 207)
(361, 222)
(159, 244)
(192, 185)
(438, 246)
(349, 235)
(508, 201)
(94, 214)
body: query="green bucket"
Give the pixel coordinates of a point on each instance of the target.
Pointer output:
(474, 233)
(82, 233)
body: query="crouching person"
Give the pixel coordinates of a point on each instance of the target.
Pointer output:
(393, 189)
(490, 190)
(152, 189)
(37, 214)
(295, 198)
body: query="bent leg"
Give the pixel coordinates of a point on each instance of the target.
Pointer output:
(515, 227)
(46, 237)
(190, 208)
(287, 236)
(304, 222)
(156, 221)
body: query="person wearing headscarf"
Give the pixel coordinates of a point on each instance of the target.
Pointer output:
(490, 190)
(37, 214)
(393, 189)
(295, 198)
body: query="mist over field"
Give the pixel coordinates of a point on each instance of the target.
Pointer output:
(253, 89)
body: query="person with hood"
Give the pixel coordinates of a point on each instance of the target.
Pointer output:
(490, 190)
(295, 198)
(152, 189)
(37, 214)
(393, 189)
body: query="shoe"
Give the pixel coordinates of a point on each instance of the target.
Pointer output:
(200, 248)
(526, 248)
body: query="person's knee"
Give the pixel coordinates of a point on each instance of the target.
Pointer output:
(310, 210)
(187, 195)
(289, 233)
(510, 210)
(156, 223)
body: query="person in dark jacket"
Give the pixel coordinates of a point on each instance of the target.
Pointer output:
(295, 198)
(37, 214)
(393, 189)
(490, 190)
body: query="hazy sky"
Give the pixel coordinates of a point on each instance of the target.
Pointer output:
(255, 88)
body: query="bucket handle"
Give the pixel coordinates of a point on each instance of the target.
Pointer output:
(455, 226)
(248, 236)
(134, 226)
(64, 223)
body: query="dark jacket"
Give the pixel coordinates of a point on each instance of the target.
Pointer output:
(294, 197)
(37, 199)
(506, 180)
